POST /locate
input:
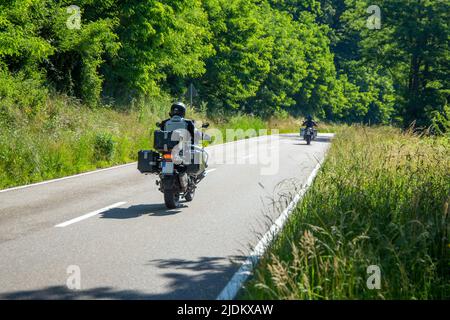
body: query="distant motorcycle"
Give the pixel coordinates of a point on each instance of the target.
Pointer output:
(179, 164)
(308, 134)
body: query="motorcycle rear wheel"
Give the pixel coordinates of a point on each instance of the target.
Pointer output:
(171, 199)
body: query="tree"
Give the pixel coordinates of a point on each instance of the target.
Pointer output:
(242, 54)
(159, 39)
(413, 46)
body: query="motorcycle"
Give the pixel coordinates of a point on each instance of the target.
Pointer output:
(308, 134)
(179, 165)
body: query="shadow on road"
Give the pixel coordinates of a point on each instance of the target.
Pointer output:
(302, 142)
(295, 139)
(154, 210)
(202, 278)
(198, 279)
(63, 293)
(323, 139)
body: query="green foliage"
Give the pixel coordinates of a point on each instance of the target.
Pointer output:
(315, 92)
(13, 101)
(266, 61)
(288, 65)
(242, 53)
(35, 40)
(253, 56)
(20, 42)
(161, 41)
(75, 66)
(441, 121)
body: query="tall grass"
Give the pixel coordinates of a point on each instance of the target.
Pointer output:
(67, 138)
(382, 198)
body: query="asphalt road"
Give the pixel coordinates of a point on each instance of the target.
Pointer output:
(137, 249)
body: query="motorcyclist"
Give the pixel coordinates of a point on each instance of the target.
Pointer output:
(177, 121)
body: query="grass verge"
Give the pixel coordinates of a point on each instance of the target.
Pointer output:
(381, 198)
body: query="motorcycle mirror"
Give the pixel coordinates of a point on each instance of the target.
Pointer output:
(158, 124)
(205, 125)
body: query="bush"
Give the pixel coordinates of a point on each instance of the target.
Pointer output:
(20, 95)
(441, 121)
(103, 146)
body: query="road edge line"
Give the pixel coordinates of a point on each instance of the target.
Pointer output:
(89, 215)
(67, 177)
(235, 284)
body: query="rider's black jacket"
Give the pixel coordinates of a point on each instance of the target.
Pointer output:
(310, 123)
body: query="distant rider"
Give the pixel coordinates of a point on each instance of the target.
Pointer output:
(309, 123)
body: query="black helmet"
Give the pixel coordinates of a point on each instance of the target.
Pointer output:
(309, 117)
(178, 109)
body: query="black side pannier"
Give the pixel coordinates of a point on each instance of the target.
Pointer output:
(148, 161)
(163, 141)
(198, 162)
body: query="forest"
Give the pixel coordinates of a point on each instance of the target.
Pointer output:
(344, 61)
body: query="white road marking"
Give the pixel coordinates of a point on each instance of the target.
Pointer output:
(89, 215)
(249, 156)
(234, 285)
(210, 170)
(68, 177)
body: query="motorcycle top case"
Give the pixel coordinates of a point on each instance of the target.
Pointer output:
(163, 141)
(148, 161)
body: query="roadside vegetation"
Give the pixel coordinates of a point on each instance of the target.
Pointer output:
(381, 198)
(257, 57)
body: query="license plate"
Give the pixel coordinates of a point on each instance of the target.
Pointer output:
(167, 167)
